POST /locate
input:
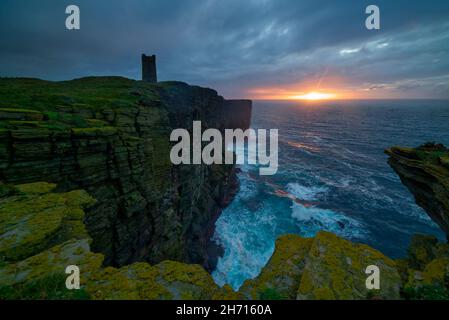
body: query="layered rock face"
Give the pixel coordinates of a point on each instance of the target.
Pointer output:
(425, 172)
(110, 137)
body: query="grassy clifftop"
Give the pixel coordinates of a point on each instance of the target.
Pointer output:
(110, 137)
(94, 93)
(69, 104)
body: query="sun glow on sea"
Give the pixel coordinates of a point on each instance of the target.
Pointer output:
(313, 96)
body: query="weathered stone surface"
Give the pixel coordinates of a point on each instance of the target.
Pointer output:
(282, 274)
(166, 280)
(140, 281)
(424, 171)
(422, 250)
(425, 271)
(33, 219)
(53, 261)
(324, 267)
(110, 137)
(149, 73)
(335, 269)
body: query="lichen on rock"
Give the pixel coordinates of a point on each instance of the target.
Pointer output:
(282, 275)
(33, 219)
(335, 269)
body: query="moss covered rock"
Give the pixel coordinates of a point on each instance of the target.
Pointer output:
(45, 231)
(421, 251)
(53, 261)
(141, 281)
(427, 264)
(436, 272)
(425, 172)
(335, 269)
(34, 219)
(281, 276)
(227, 293)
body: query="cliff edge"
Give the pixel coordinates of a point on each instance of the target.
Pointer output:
(425, 172)
(110, 137)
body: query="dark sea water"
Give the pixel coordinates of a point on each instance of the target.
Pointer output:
(331, 159)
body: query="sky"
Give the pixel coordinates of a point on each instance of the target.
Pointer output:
(259, 49)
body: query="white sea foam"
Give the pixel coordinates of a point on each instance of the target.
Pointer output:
(314, 219)
(306, 193)
(247, 245)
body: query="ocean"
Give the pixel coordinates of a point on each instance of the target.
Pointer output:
(331, 159)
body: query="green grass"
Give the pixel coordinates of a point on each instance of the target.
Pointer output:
(431, 152)
(428, 292)
(35, 103)
(92, 92)
(270, 294)
(18, 110)
(48, 288)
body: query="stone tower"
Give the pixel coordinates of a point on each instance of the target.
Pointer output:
(149, 68)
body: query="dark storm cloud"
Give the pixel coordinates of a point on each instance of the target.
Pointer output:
(233, 45)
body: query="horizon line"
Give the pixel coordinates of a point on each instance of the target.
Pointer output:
(349, 99)
(242, 98)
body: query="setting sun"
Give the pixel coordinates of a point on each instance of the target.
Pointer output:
(314, 96)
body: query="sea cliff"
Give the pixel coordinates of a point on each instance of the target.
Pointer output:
(110, 137)
(86, 181)
(425, 172)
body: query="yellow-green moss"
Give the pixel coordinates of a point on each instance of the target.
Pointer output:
(167, 280)
(45, 231)
(423, 249)
(133, 282)
(323, 294)
(36, 187)
(186, 281)
(34, 219)
(227, 293)
(436, 272)
(336, 267)
(283, 270)
(54, 261)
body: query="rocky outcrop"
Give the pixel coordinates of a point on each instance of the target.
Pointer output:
(324, 267)
(110, 137)
(425, 271)
(281, 277)
(33, 259)
(31, 254)
(42, 232)
(34, 219)
(425, 172)
(328, 267)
